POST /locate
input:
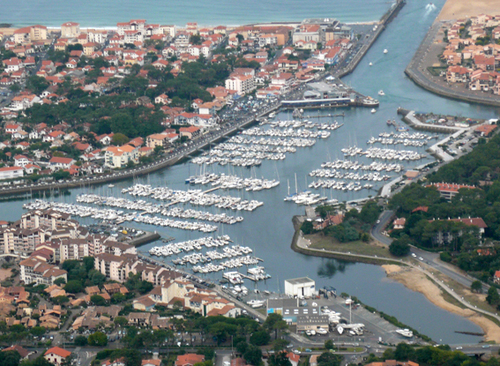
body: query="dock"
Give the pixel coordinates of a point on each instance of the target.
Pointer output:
(147, 238)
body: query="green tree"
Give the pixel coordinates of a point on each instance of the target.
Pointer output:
(118, 298)
(98, 300)
(241, 347)
(73, 287)
(329, 344)
(98, 339)
(329, 359)
(59, 281)
(399, 248)
(10, 358)
(476, 286)
(37, 84)
(119, 139)
(260, 338)
(493, 298)
(404, 352)
(279, 359)
(38, 331)
(307, 227)
(120, 321)
(81, 341)
(60, 300)
(253, 355)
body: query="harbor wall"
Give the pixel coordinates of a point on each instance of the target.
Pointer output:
(149, 237)
(415, 73)
(384, 21)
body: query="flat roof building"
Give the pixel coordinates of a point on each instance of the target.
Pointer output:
(300, 287)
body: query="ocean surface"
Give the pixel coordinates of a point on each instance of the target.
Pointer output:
(268, 230)
(106, 13)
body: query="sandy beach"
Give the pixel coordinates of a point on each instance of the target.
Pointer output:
(417, 281)
(456, 9)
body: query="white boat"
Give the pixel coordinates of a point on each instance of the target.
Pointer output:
(385, 50)
(374, 110)
(370, 64)
(381, 92)
(405, 333)
(111, 185)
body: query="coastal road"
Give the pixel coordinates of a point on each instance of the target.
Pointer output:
(429, 258)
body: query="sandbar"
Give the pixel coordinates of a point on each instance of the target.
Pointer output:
(417, 281)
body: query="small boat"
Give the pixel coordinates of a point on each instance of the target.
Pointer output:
(405, 333)
(111, 185)
(381, 92)
(370, 64)
(385, 50)
(374, 110)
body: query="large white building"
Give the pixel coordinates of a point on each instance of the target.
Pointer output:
(300, 287)
(70, 30)
(242, 84)
(11, 172)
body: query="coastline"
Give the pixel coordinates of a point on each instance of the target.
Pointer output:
(411, 278)
(416, 281)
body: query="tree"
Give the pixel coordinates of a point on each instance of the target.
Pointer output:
(73, 286)
(117, 298)
(399, 248)
(119, 139)
(60, 300)
(98, 300)
(476, 286)
(260, 338)
(120, 321)
(279, 345)
(242, 347)
(37, 331)
(404, 352)
(37, 84)
(10, 358)
(329, 344)
(81, 341)
(279, 359)
(493, 298)
(329, 359)
(59, 281)
(253, 355)
(98, 339)
(60, 174)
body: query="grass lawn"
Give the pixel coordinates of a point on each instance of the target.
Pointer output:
(435, 71)
(319, 241)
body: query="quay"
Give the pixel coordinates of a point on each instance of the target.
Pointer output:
(147, 238)
(172, 158)
(410, 118)
(384, 21)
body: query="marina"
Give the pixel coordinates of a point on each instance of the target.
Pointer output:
(367, 282)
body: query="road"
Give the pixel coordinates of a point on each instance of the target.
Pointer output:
(431, 259)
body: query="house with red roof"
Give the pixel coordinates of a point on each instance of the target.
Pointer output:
(449, 190)
(189, 359)
(496, 277)
(293, 358)
(56, 355)
(57, 163)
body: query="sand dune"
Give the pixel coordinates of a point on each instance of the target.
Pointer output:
(456, 9)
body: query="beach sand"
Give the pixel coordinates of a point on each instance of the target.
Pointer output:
(417, 281)
(457, 9)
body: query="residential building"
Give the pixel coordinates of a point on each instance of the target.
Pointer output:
(189, 359)
(56, 355)
(449, 190)
(119, 157)
(242, 84)
(70, 30)
(11, 172)
(39, 272)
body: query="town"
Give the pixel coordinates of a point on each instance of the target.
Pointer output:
(180, 82)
